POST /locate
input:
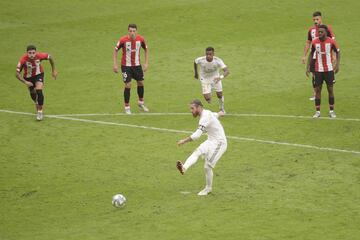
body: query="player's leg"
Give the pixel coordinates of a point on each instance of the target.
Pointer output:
(39, 85)
(192, 159)
(312, 70)
(211, 159)
(318, 86)
(126, 74)
(220, 96)
(330, 80)
(206, 91)
(32, 93)
(138, 75)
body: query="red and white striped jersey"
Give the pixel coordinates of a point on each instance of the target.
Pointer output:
(313, 33)
(321, 50)
(32, 67)
(131, 50)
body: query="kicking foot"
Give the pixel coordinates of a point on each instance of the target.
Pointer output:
(143, 107)
(39, 116)
(205, 191)
(317, 114)
(332, 114)
(180, 167)
(312, 98)
(127, 110)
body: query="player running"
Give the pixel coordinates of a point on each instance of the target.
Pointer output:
(210, 77)
(212, 149)
(312, 34)
(130, 64)
(322, 49)
(33, 76)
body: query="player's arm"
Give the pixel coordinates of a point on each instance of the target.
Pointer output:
(196, 135)
(309, 61)
(306, 49)
(146, 49)
(20, 77)
(196, 74)
(115, 56)
(337, 54)
(53, 68)
(222, 76)
(219, 114)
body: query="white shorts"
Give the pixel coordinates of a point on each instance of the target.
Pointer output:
(208, 86)
(212, 151)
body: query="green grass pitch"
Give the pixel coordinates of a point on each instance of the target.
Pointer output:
(281, 178)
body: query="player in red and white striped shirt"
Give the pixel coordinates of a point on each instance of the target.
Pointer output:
(311, 35)
(130, 64)
(33, 76)
(322, 49)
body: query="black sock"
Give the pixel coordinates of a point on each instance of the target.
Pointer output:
(33, 96)
(126, 96)
(331, 103)
(140, 91)
(40, 97)
(317, 104)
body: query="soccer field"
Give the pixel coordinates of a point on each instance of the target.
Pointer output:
(284, 175)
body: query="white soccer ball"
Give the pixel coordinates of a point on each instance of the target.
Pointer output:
(118, 200)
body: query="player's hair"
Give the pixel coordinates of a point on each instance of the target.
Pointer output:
(324, 27)
(317, 14)
(132, 25)
(210, 49)
(30, 47)
(197, 102)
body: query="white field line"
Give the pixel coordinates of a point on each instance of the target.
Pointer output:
(228, 114)
(187, 132)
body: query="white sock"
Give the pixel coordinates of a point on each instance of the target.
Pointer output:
(209, 177)
(191, 160)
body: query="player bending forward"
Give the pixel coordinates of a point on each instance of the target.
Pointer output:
(209, 75)
(212, 149)
(33, 76)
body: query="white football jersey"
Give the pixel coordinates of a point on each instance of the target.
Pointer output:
(209, 70)
(210, 124)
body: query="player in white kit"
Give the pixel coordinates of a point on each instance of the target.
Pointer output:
(212, 149)
(210, 76)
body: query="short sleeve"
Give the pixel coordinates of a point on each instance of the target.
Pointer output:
(335, 46)
(119, 45)
(20, 64)
(197, 60)
(143, 43)
(43, 56)
(221, 63)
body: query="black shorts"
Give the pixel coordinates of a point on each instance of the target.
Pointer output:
(36, 78)
(328, 77)
(129, 73)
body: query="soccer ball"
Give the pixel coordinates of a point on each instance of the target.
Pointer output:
(118, 200)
